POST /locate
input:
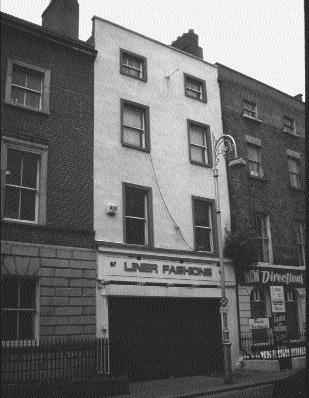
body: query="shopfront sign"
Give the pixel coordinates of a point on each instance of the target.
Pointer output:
(171, 272)
(274, 276)
(258, 323)
(277, 299)
(279, 323)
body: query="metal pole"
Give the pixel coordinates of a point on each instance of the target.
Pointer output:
(226, 344)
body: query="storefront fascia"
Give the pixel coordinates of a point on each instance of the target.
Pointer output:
(273, 280)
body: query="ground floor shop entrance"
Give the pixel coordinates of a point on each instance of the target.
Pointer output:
(159, 337)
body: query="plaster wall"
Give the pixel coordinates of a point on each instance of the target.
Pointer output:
(176, 177)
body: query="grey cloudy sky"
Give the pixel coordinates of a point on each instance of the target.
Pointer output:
(263, 39)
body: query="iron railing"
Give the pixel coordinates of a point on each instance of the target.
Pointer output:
(29, 361)
(273, 345)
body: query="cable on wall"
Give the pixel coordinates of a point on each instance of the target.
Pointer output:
(176, 225)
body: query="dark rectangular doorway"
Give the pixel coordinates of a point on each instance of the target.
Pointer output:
(158, 337)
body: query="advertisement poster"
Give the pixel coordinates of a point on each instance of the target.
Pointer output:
(279, 323)
(258, 323)
(277, 299)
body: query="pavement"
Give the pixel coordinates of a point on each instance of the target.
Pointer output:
(198, 386)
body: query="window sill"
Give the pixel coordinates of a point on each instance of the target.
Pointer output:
(135, 147)
(209, 165)
(299, 189)
(26, 108)
(143, 79)
(11, 220)
(254, 119)
(196, 99)
(291, 134)
(258, 178)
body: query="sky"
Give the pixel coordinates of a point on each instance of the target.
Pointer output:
(262, 39)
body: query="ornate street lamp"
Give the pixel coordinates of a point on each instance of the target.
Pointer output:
(222, 146)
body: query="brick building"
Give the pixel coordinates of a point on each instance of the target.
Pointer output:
(268, 197)
(157, 112)
(48, 265)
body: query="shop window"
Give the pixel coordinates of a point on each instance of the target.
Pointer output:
(27, 86)
(203, 225)
(195, 88)
(262, 228)
(133, 65)
(301, 243)
(137, 215)
(291, 308)
(135, 125)
(18, 308)
(258, 310)
(199, 144)
(25, 165)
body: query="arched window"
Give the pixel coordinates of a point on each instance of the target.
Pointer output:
(258, 310)
(291, 308)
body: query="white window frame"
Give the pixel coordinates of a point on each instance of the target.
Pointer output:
(293, 173)
(200, 92)
(31, 147)
(250, 109)
(264, 237)
(35, 310)
(147, 219)
(142, 70)
(210, 228)
(289, 125)
(144, 132)
(45, 94)
(260, 172)
(206, 152)
(301, 242)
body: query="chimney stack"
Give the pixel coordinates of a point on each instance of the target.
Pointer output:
(188, 43)
(299, 97)
(62, 16)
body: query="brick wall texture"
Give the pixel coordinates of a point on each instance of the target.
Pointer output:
(272, 195)
(67, 282)
(67, 131)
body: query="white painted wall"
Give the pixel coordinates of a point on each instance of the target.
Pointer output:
(169, 111)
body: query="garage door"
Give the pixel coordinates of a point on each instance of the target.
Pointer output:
(156, 338)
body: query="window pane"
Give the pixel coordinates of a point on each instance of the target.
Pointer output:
(201, 213)
(26, 325)
(27, 206)
(9, 325)
(193, 85)
(131, 72)
(249, 105)
(294, 180)
(135, 203)
(197, 135)
(33, 100)
(17, 95)
(19, 77)
(132, 137)
(253, 168)
(11, 205)
(253, 153)
(13, 170)
(133, 118)
(34, 81)
(9, 292)
(135, 231)
(293, 166)
(197, 154)
(203, 239)
(30, 163)
(27, 293)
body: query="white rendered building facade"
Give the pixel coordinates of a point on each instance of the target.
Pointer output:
(156, 111)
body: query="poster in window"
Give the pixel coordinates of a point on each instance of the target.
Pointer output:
(277, 299)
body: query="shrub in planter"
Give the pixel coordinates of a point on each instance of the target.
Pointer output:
(241, 246)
